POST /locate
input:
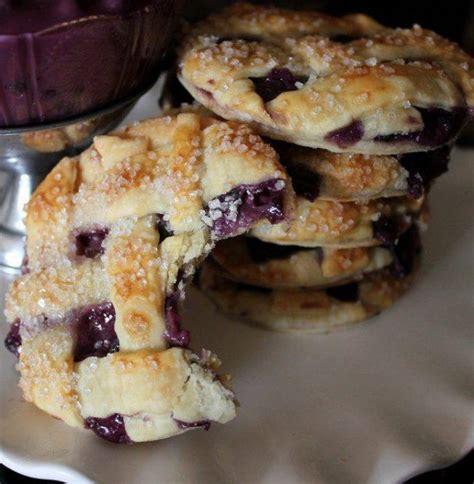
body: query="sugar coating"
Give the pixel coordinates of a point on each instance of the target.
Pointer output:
(94, 242)
(324, 223)
(378, 76)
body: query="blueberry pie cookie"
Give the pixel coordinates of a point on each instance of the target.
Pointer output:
(251, 261)
(345, 84)
(356, 177)
(113, 236)
(312, 309)
(323, 223)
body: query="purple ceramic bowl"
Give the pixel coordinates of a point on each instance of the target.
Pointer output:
(63, 58)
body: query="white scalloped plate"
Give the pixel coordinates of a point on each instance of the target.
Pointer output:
(375, 404)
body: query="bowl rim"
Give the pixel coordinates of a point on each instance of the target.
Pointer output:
(105, 109)
(152, 5)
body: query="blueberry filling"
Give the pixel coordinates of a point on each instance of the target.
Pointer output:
(163, 228)
(245, 205)
(111, 428)
(13, 339)
(386, 230)
(173, 333)
(206, 424)
(94, 332)
(277, 81)
(89, 243)
(261, 252)
(405, 252)
(345, 293)
(347, 135)
(423, 168)
(439, 127)
(404, 246)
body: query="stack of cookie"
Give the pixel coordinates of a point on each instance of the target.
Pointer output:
(362, 117)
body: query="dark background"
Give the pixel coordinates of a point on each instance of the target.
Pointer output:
(453, 19)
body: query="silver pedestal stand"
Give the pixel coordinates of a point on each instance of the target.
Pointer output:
(27, 154)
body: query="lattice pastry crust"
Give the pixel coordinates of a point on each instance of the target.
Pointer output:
(345, 84)
(112, 237)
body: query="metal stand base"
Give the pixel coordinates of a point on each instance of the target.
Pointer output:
(15, 192)
(26, 157)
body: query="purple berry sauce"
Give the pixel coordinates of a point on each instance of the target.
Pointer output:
(347, 135)
(94, 331)
(386, 231)
(245, 205)
(423, 168)
(13, 339)
(440, 127)
(205, 424)
(277, 81)
(405, 252)
(173, 333)
(89, 242)
(345, 293)
(111, 428)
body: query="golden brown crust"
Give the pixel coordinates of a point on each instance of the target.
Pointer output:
(317, 267)
(139, 198)
(301, 310)
(324, 223)
(378, 79)
(349, 176)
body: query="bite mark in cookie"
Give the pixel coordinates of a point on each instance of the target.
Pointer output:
(238, 209)
(101, 341)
